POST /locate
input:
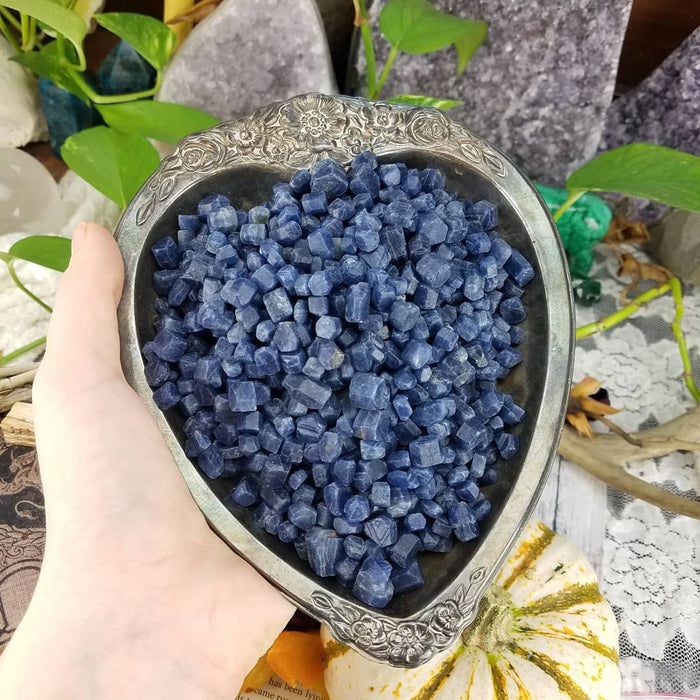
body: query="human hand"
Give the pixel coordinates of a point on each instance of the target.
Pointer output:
(137, 597)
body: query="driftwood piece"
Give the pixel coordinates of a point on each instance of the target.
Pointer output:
(605, 457)
(18, 425)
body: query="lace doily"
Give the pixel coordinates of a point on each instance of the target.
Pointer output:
(651, 563)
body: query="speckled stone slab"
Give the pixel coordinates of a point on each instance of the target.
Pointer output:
(249, 53)
(664, 108)
(540, 85)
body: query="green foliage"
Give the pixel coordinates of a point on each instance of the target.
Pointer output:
(114, 163)
(151, 38)
(46, 64)
(416, 26)
(643, 170)
(49, 251)
(157, 120)
(62, 20)
(423, 101)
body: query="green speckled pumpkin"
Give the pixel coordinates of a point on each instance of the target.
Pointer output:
(543, 632)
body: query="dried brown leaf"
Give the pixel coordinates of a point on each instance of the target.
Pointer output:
(623, 232)
(579, 421)
(586, 387)
(597, 407)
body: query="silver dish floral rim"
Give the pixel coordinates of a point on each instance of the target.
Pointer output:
(295, 134)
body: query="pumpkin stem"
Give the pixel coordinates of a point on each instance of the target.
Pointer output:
(494, 623)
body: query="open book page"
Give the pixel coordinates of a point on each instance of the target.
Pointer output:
(277, 689)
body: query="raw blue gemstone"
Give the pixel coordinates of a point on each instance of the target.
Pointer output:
(157, 371)
(481, 508)
(380, 494)
(246, 493)
(320, 283)
(468, 491)
(285, 338)
(507, 444)
(512, 310)
(405, 550)
(321, 243)
(357, 303)
(314, 203)
(277, 305)
(124, 70)
(517, 335)
(335, 496)
(167, 396)
(166, 253)
(313, 368)
(267, 360)
(341, 209)
(408, 579)
(357, 509)
(404, 379)
(401, 213)
(241, 396)
(302, 515)
(416, 354)
(249, 444)
(300, 181)
(196, 443)
(329, 177)
(267, 518)
(402, 407)
(320, 473)
(239, 292)
(355, 547)
(463, 521)
(347, 570)
(304, 493)
(367, 472)
(330, 446)
(325, 550)
(328, 327)
(400, 502)
(211, 203)
(519, 268)
(310, 393)
(286, 233)
(415, 522)
(403, 315)
(371, 449)
(430, 412)
(208, 371)
(366, 239)
(511, 413)
(484, 213)
(368, 391)
(343, 471)
(296, 479)
(373, 585)
(425, 451)
(382, 530)
(329, 355)
(390, 175)
(287, 532)
(169, 346)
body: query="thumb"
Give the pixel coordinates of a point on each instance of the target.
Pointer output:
(83, 338)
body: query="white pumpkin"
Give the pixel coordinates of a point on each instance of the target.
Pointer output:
(543, 632)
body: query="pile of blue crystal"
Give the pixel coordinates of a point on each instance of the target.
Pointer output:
(336, 352)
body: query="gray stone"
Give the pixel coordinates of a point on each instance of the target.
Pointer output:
(675, 241)
(664, 108)
(249, 53)
(539, 86)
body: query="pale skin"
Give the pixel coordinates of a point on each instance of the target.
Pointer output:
(137, 597)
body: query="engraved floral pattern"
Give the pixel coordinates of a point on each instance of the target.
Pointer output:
(299, 132)
(402, 642)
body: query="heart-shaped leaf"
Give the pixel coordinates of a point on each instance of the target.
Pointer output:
(643, 170)
(46, 64)
(58, 18)
(49, 251)
(147, 35)
(116, 164)
(423, 101)
(157, 120)
(416, 26)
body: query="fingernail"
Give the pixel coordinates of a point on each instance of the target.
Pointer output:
(79, 236)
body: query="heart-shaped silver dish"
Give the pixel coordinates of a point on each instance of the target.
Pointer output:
(243, 159)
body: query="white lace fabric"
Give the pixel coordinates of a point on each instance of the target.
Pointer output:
(651, 563)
